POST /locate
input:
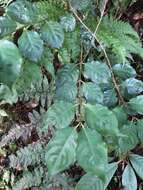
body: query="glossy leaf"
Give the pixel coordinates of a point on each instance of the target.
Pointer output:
(66, 92)
(136, 161)
(20, 11)
(110, 98)
(110, 171)
(124, 71)
(130, 139)
(132, 87)
(92, 93)
(7, 26)
(10, 62)
(129, 180)
(96, 71)
(68, 73)
(52, 33)
(31, 45)
(90, 150)
(68, 22)
(61, 150)
(101, 119)
(58, 116)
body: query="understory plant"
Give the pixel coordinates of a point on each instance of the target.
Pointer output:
(78, 66)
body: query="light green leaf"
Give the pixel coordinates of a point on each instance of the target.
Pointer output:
(7, 26)
(97, 71)
(3, 113)
(90, 181)
(124, 71)
(60, 114)
(61, 150)
(31, 45)
(130, 139)
(52, 33)
(8, 95)
(137, 163)
(136, 104)
(10, 62)
(92, 93)
(129, 180)
(102, 119)
(68, 22)
(110, 171)
(90, 150)
(121, 115)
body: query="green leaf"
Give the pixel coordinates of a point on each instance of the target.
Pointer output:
(110, 98)
(68, 22)
(7, 26)
(7, 95)
(68, 73)
(61, 150)
(132, 87)
(136, 162)
(20, 11)
(130, 139)
(10, 62)
(90, 181)
(31, 45)
(102, 119)
(124, 71)
(97, 71)
(72, 44)
(66, 83)
(30, 75)
(136, 104)
(129, 180)
(90, 150)
(121, 115)
(66, 92)
(58, 116)
(52, 33)
(92, 93)
(110, 171)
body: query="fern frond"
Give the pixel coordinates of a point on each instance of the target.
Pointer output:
(16, 132)
(121, 37)
(29, 179)
(29, 155)
(117, 36)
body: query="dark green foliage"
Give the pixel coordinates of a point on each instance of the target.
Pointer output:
(85, 94)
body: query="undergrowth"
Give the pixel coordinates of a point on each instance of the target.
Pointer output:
(71, 65)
